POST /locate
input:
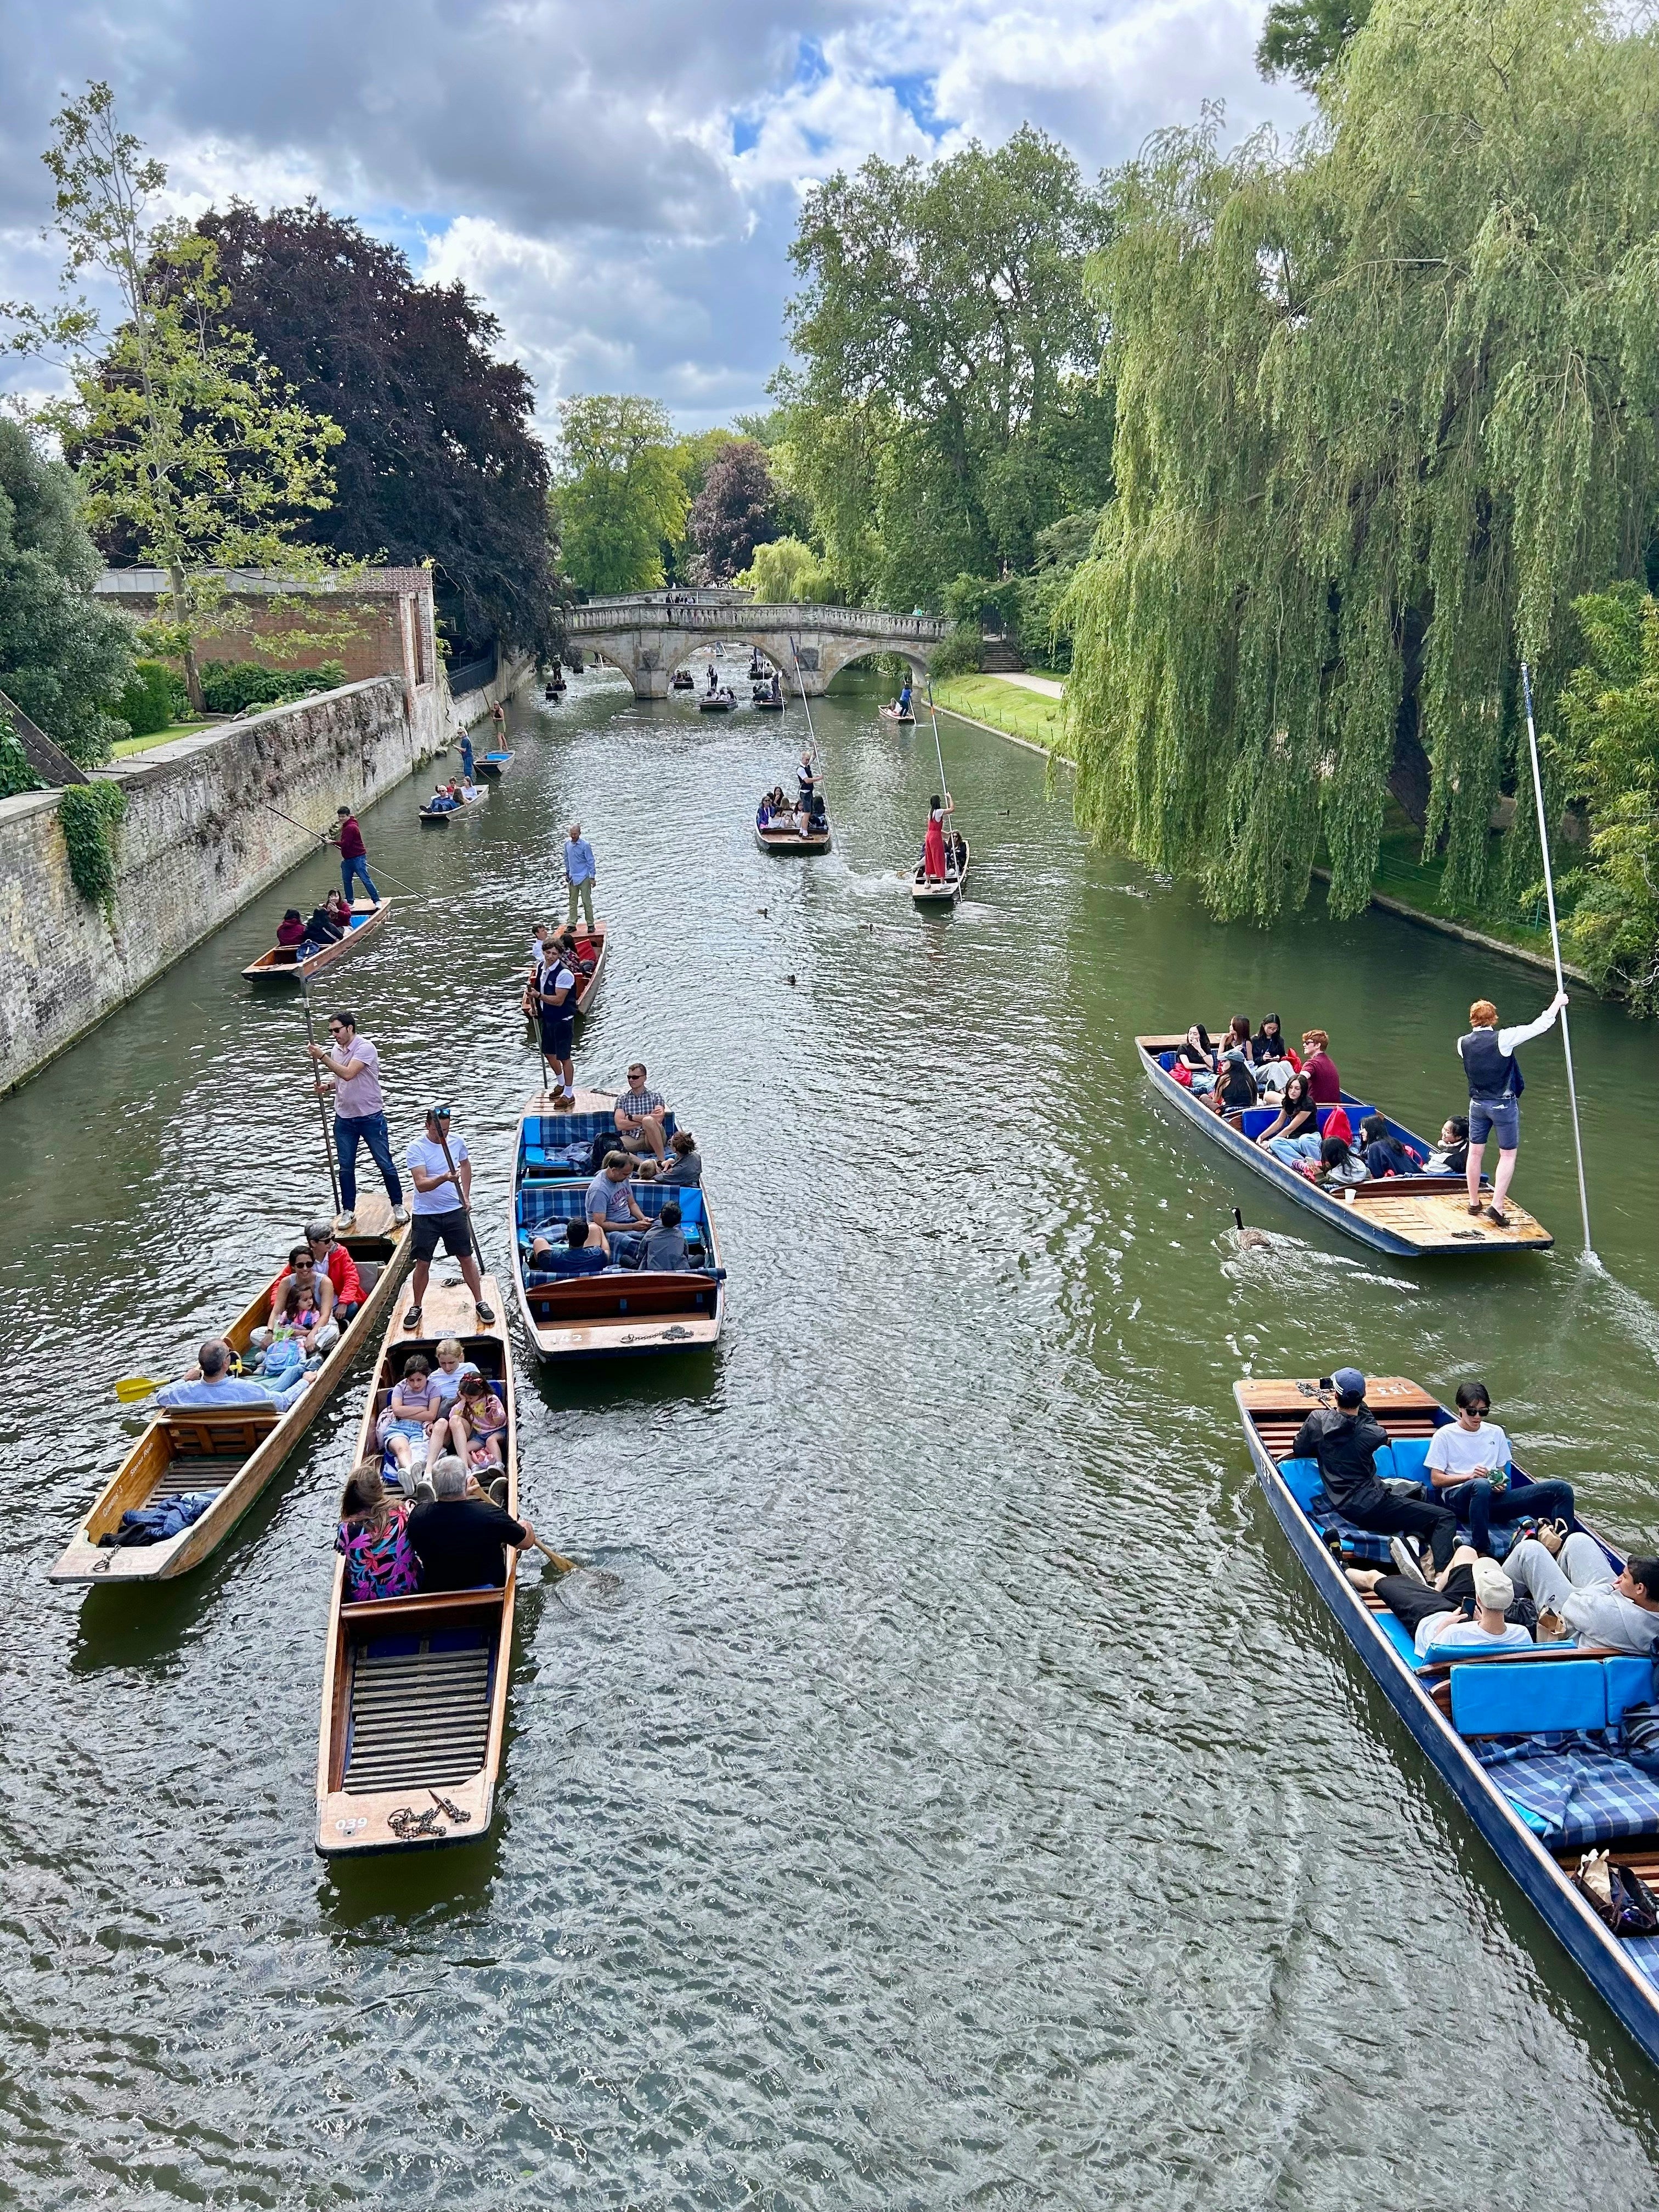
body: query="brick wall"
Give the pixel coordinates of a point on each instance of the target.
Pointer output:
(196, 845)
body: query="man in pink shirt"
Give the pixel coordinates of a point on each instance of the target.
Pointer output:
(359, 1115)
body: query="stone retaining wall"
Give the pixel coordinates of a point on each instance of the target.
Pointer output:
(198, 842)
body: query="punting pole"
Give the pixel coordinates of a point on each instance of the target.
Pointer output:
(322, 1111)
(477, 1248)
(1555, 947)
(800, 686)
(938, 750)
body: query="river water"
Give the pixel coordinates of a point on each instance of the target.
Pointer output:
(956, 1797)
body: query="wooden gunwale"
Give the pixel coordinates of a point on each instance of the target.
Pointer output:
(279, 965)
(1409, 1218)
(1539, 1871)
(84, 1560)
(357, 1823)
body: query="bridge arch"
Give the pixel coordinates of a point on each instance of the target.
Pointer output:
(648, 637)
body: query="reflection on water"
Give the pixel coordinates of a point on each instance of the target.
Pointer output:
(941, 1787)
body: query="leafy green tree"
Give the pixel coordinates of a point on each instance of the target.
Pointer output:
(186, 440)
(64, 656)
(1605, 753)
(786, 570)
(619, 493)
(948, 406)
(1384, 411)
(1302, 38)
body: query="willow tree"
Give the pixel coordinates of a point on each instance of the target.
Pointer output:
(1384, 409)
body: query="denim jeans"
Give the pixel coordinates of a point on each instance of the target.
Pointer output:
(1480, 1504)
(1289, 1150)
(369, 1130)
(357, 866)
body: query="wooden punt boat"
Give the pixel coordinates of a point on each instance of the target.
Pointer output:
(279, 965)
(414, 1688)
(768, 705)
(791, 841)
(230, 1451)
(469, 796)
(934, 892)
(588, 988)
(892, 715)
(1410, 1217)
(1463, 1706)
(681, 681)
(495, 765)
(716, 702)
(623, 1312)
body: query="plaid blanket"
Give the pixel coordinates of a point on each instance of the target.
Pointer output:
(1582, 1792)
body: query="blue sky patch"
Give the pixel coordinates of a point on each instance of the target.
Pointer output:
(914, 91)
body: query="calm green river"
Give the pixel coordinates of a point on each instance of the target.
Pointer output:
(956, 1798)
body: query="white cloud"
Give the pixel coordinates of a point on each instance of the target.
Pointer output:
(620, 183)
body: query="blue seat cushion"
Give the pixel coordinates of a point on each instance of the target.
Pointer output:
(1498, 1700)
(538, 1204)
(1629, 1682)
(1300, 1479)
(1408, 1454)
(1574, 1795)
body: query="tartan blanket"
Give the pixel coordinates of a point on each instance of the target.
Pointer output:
(1583, 1793)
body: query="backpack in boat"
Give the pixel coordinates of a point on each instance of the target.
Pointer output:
(1616, 1895)
(604, 1142)
(1182, 1074)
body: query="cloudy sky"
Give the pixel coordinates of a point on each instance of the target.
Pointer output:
(619, 179)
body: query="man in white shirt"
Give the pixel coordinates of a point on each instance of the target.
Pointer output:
(442, 1172)
(1437, 1618)
(1488, 1056)
(1468, 1464)
(359, 1115)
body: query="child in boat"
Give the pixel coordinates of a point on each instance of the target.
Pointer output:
(373, 1539)
(403, 1430)
(477, 1427)
(446, 1380)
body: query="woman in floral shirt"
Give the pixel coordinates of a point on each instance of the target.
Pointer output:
(372, 1540)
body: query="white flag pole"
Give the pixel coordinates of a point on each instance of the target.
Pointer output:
(1555, 946)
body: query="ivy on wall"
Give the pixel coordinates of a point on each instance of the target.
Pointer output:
(16, 773)
(89, 815)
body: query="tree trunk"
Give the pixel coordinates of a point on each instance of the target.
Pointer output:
(193, 674)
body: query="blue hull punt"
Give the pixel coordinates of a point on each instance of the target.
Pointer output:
(1444, 1703)
(1410, 1217)
(621, 1312)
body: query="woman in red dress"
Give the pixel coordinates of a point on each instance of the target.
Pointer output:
(932, 850)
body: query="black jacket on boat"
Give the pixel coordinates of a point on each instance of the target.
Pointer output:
(1346, 1445)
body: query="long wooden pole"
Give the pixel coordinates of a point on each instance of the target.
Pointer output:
(800, 686)
(1555, 947)
(317, 1085)
(472, 1234)
(944, 786)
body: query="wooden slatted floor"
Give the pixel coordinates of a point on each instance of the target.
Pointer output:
(418, 1718)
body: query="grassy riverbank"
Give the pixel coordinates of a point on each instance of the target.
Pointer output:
(1009, 707)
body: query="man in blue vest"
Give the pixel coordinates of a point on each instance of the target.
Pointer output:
(1495, 1086)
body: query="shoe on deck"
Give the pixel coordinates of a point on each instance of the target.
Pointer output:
(412, 1318)
(344, 1222)
(1492, 1214)
(400, 1215)
(483, 1312)
(498, 1490)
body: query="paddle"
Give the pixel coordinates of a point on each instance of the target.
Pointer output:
(131, 1387)
(322, 1111)
(565, 1566)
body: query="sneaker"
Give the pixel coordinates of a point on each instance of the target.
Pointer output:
(400, 1215)
(314, 1363)
(424, 1494)
(1400, 1552)
(498, 1490)
(412, 1318)
(342, 1222)
(485, 1312)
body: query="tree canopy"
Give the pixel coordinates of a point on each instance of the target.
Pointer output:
(439, 459)
(620, 495)
(1385, 408)
(947, 406)
(1304, 37)
(64, 656)
(736, 510)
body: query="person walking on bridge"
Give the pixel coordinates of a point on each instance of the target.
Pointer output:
(1495, 1086)
(580, 872)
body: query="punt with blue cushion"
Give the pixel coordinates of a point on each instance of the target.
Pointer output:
(547, 1140)
(539, 1203)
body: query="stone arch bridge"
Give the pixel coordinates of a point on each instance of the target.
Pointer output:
(648, 636)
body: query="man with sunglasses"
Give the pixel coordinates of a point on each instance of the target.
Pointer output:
(359, 1115)
(442, 1172)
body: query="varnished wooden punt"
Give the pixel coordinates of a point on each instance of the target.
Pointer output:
(414, 1688)
(466, 801)
(790, 841)
(927, 892)
(587, 987)
(232, 1450)
(280, 965)
(1625, 1972)
(1410, 1217)
(768, 705)
(625, 1315)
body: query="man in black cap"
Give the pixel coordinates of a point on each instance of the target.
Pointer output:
(1346, 1438)
(442, 1172)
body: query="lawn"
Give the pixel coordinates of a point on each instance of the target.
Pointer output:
(1005, 707)
(161, 738)
(1403, 874)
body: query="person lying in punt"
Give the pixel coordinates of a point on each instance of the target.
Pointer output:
(1565, 1583)
(580, 1251)
(1340, 1166)
(1451, 1156)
